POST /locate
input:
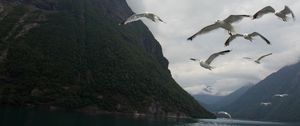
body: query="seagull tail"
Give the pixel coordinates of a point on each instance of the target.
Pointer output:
(162, 21)
(122, 23)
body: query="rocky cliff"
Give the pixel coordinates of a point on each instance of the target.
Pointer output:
(72, 54)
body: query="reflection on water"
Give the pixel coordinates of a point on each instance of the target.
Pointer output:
(29, 117)
(232, 122)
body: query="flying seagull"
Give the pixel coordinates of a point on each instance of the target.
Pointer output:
(247, 58)
(206, 64)
(281, 95)
(265, 104)
(283, 14)
(225, 24)
(265, 10)
(258, 60)
(208, 89)
(136, 17)
(224, 113)
(246, 36)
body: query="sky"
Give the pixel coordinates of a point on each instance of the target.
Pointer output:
(186, 17)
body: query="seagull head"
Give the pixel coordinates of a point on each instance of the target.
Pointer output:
(218, 21)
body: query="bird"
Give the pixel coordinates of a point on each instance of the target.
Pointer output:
(246, 36)
(224, 113)
(265, 104)
(258, 60)
(225, 24)
(283, 13)
(207, 63)
(247, 58)
(208, 89)
(281, 95)
(265, 10)
(136, 17)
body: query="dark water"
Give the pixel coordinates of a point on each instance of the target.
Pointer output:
(29, 117)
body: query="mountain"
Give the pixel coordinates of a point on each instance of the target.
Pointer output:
(208, 98)
(72, 54)
(228, 99)
(216, 103)
(286, 80)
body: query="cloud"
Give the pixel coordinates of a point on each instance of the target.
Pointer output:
(185, 17)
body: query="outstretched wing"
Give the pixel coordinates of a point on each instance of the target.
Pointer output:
(247, 58)
(265, 10)
(232, 37)
(264, 56)
(133, 18)
(153, 17)
(287, 10)
(159, 19)
(235, 18)
(213, 56)
(257, 34)
(205, 30)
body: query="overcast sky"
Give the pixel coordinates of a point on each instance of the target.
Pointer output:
(186, 17)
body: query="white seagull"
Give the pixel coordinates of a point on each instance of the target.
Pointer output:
(224, 113)
(283, 14)
(246, 36)
(281, 95)
(225, 24)
(265, 10)
(206, 64)
(258, 60)
(136, 17)
(265, 104)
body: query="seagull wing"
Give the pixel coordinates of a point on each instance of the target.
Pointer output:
(133, 18)
(159, 19)
(287, 10)
(277, 95)
(153, 17)
(264, 56)
(265, 10)
(247, 58)
(150, 16)
(232, 37)
(213, 56)
(205, 30)
(257, 34)
(235, 18)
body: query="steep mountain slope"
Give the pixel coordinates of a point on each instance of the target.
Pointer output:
(228, 99)
(286, 80)
(72, 54)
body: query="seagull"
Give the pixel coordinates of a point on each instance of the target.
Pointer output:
(246, 36)
(136, 17)
(224, 113)
(281, 95)
(206, 64)
(283, 14)
(247, 58)
(225, 24)
(258, 60)
(265, 104)
(208, 89)
(265, 10)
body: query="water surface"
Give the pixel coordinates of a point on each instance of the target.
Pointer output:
(30, 117)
